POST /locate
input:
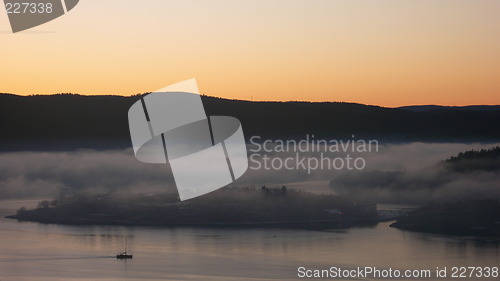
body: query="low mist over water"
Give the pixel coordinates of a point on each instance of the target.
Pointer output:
(396, 173)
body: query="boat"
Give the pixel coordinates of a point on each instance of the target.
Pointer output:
(124, 254)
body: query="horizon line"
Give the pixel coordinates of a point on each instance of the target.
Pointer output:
(245, 100)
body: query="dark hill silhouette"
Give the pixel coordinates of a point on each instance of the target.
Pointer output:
(440, 107)
(67, 121)
(472, 160)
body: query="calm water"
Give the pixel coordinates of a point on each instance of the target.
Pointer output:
(32, 251)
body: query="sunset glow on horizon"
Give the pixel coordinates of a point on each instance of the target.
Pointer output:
(388, 53)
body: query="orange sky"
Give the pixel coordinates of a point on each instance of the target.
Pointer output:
(387, 53)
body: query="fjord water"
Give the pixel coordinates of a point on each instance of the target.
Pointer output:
(33, 251)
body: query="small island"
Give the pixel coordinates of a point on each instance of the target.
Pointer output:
(228, 207)
(469, 216)
(473, 217)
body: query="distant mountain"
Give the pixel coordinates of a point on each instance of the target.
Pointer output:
(67, 121)
(420, 108)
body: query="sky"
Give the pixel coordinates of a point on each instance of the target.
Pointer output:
(388, 53)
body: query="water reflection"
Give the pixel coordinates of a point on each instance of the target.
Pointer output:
(32, 251)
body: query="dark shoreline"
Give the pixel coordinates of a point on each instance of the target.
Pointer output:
(343, 223)
(462, 218)
(482, 232)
